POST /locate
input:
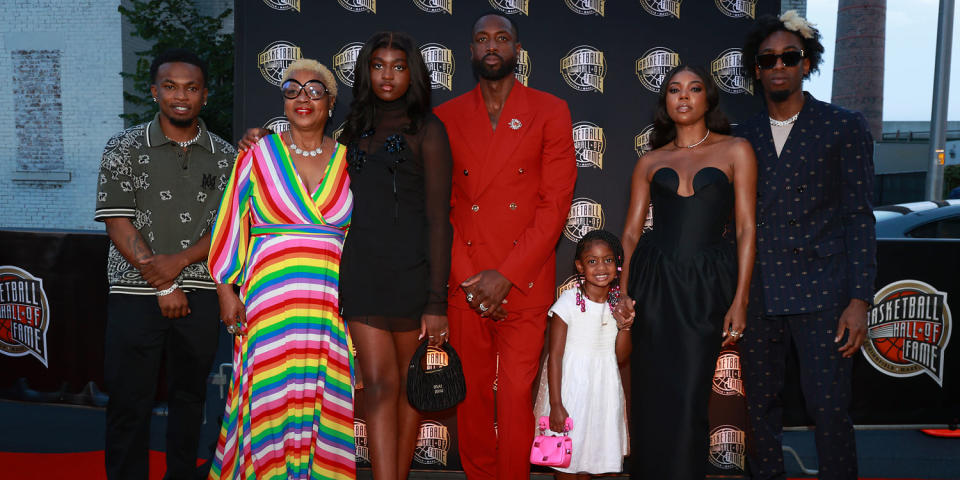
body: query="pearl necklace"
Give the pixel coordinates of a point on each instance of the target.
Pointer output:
(704, 139)
(783, 123)
(188, 142)
(306, 153)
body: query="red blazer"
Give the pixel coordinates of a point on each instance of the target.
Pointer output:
(511, 190)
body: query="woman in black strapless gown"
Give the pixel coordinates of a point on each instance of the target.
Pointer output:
(687, 275)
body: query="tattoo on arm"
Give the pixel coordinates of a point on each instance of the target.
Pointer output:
(138, 248)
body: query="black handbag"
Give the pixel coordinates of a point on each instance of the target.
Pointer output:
(435, 389)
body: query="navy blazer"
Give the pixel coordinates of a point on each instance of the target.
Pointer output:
(816, 243)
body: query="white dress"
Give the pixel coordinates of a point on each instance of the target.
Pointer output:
(590, 390)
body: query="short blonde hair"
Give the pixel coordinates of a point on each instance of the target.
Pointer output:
(312, 66)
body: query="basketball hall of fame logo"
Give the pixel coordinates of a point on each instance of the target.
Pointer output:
(274, 59)
(277, 124)
(435, 6)
(738, 8)
(589, 143)
(908, 329)
(585, 215)
(584, 69)
(337, 132)
(345, 60)
(512, 7)
(587, 7)
(283, 4)
(439, 60)
(24, 314)
(726, 377)
(433, 444)
(360, 438)
(641, 143)
(359, 6)
(662, 8)
(728, 446)
(728, 73)
(654, 65)
(522, 70)
(568, 284)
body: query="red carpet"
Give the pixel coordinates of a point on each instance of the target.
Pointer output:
(88, 466)
(76, 466)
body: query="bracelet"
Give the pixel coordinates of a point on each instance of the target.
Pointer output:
(168, 290)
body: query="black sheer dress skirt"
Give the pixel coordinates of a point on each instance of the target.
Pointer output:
(683, 277)
(396, 257)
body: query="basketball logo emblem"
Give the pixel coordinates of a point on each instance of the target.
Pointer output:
(662, 8)
(24, 314)
(587, 7)
(283, 4)
(584, 69)
(727, 72)
(359, 6)
(433, 443)
(360, 437)
(345, 62)
(589, 143)
(439, 61)
(435, 6)
(641, 143)
(512, 7)
(337, 132)
(522, 70)
(277, 124)
(908, 330)
(738, 8)
(728, 447)
(654, 65)
(585, 215)
(568, 284)
(274, 59)
(726, 376)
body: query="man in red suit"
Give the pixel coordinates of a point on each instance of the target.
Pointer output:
(514, 173)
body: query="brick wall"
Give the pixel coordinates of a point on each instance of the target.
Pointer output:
(63, 57)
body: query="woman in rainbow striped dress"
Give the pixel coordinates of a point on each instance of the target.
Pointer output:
(279, 236)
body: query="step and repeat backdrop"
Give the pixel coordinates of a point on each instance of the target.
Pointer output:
(606, 59)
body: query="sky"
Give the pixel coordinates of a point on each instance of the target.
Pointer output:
(910, 52)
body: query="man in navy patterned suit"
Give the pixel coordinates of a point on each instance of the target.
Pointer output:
(814, 275)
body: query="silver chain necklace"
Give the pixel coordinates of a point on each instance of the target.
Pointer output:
(783, 123)
(704, 139)
(188, 142)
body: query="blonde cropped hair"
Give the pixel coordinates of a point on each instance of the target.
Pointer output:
(315, 67)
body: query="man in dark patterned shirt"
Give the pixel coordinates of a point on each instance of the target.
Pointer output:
(159, 188)
(814, 275)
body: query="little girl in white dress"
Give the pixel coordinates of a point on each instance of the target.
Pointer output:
(586, 343)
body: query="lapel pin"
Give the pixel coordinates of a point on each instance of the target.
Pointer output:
(515, 124)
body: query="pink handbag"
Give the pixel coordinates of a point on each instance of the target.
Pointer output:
(552, 450)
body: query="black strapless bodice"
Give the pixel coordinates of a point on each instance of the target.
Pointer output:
(683, 226)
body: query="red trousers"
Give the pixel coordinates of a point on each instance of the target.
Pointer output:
(496, 431)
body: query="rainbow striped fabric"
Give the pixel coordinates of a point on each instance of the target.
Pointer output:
(289, 413)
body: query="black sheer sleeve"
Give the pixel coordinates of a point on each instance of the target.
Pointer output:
(437, 170)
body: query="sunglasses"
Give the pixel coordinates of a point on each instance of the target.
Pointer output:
(315, 89)
(767, 61)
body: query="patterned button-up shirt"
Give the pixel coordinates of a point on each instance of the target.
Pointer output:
(170, 194)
